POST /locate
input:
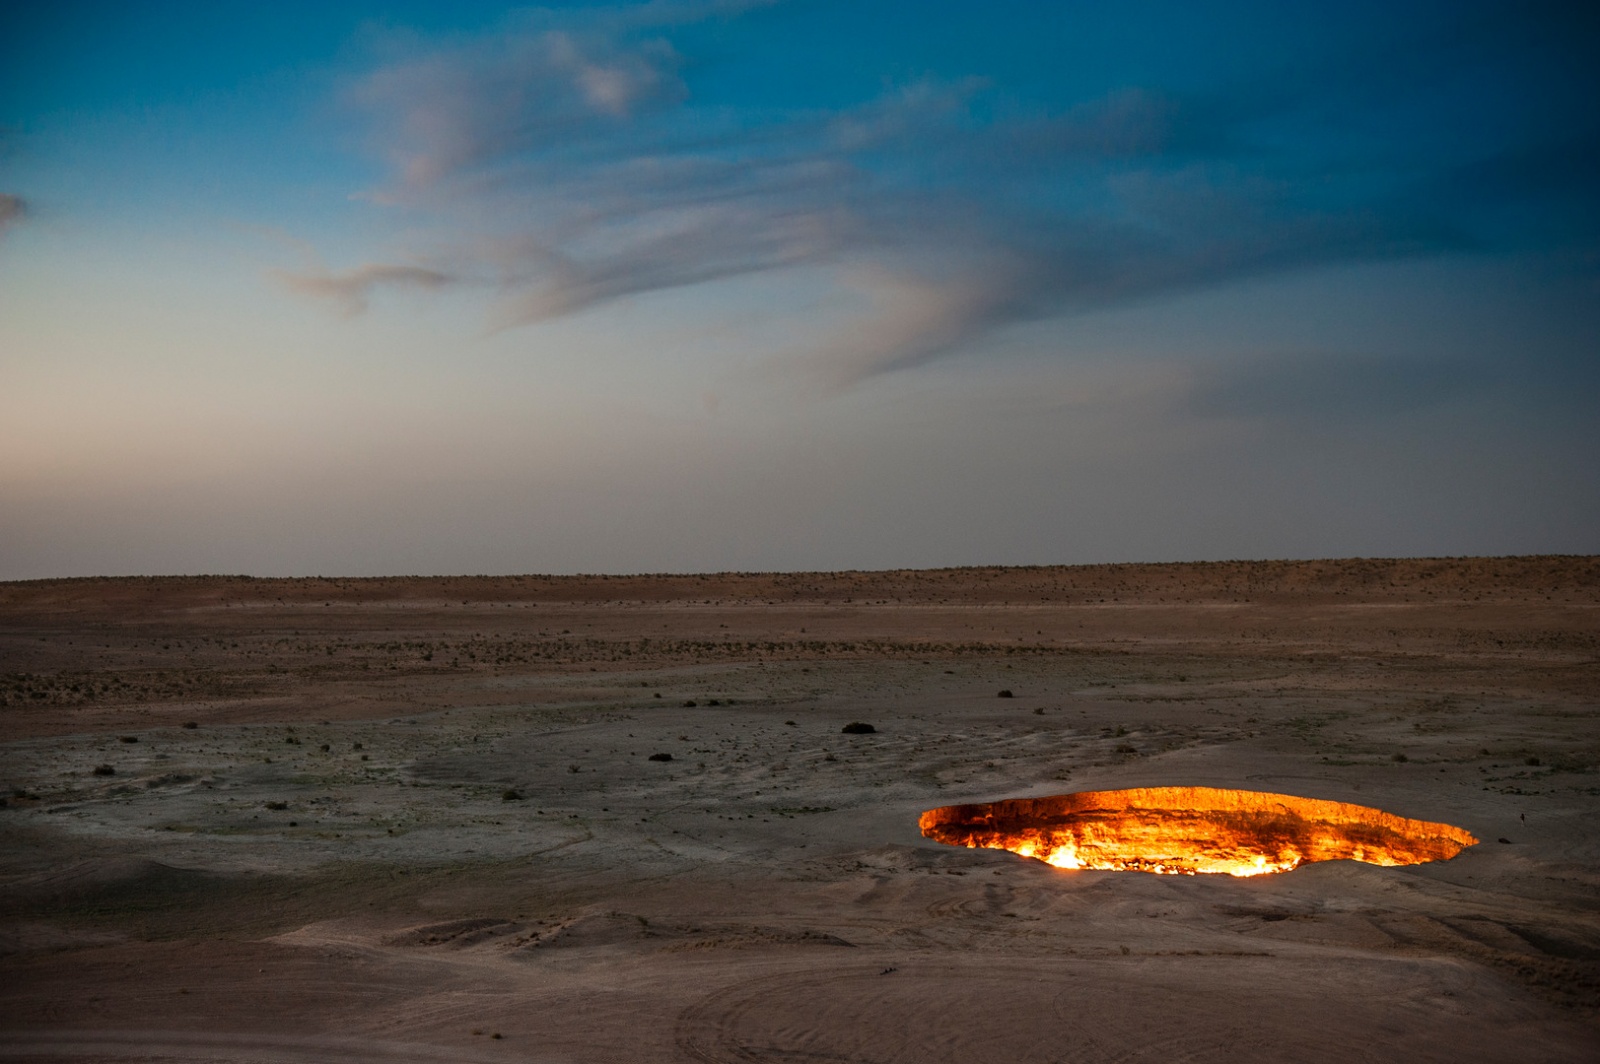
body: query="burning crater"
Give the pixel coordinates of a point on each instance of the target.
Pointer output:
(1189, 830)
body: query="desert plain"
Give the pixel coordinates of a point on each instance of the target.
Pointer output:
(569, 819)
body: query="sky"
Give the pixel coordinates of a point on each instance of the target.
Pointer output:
(708, 285)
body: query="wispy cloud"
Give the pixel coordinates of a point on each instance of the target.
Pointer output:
(447, 112)
(568, 164)
(910, 320)
(352, 290)
(12, 210)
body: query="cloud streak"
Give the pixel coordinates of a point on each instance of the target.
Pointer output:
(12, 211)
(352, 290)
(567, 163)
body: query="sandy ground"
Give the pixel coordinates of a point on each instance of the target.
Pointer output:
(418, 820)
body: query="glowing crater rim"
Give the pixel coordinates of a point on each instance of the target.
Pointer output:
(1193, 831)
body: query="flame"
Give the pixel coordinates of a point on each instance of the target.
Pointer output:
(1192, 830)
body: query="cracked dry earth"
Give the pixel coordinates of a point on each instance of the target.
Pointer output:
(428, 820)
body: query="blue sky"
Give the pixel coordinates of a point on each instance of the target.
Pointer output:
(386, 288)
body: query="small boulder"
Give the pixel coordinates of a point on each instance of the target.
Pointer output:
(856, 727)
(1006, 694)
(660, 757)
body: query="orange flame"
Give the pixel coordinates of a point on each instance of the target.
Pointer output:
(1191, 830)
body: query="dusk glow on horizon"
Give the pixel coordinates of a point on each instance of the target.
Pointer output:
(417, 288)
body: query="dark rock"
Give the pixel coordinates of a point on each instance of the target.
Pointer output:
(1006, 694)
(660, 757)
(856, 727)
(104, 770)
